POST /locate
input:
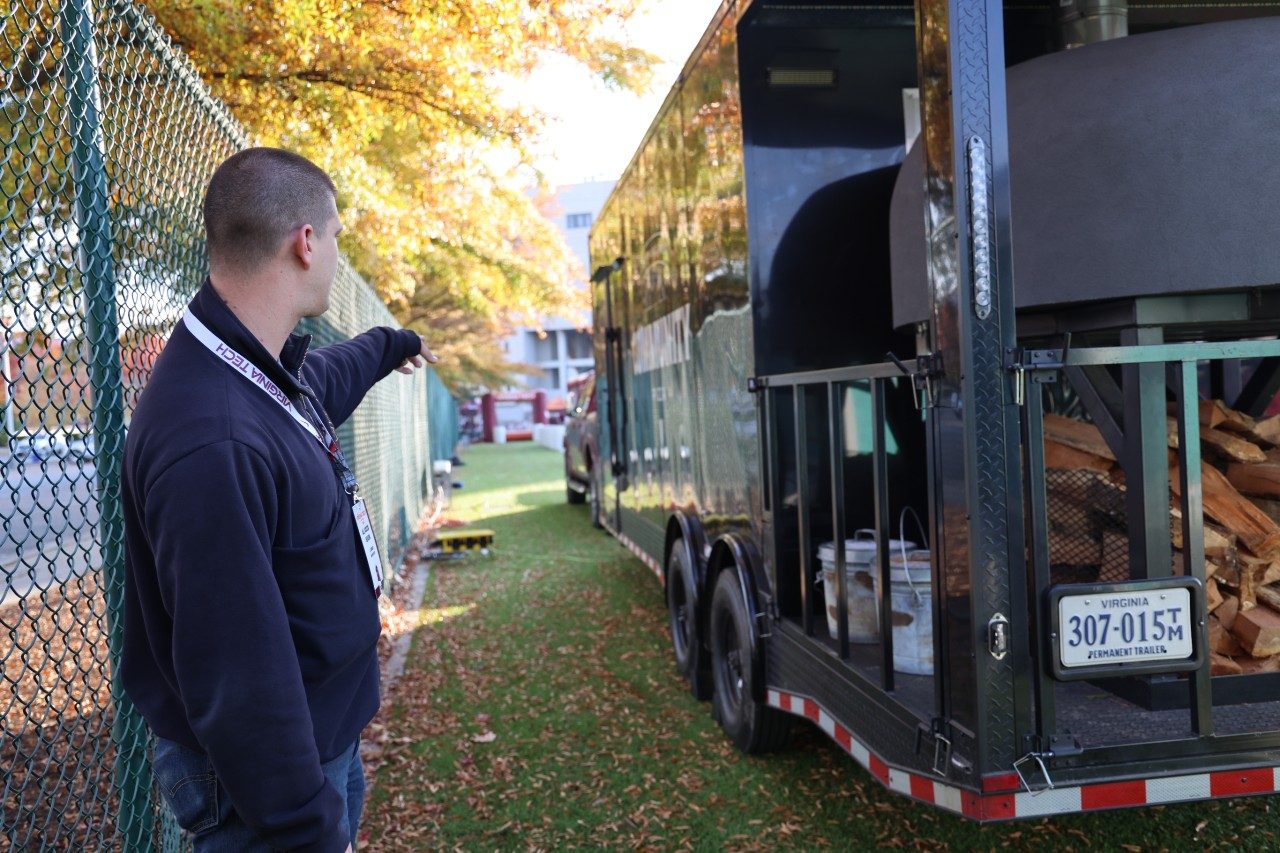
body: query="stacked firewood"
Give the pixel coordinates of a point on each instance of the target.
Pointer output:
(1240, 477)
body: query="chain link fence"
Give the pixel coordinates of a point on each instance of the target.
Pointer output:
(108, 140)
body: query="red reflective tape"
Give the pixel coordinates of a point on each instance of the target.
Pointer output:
(998, 807)
(1110, 795)
(1001, 782)
(811, 709)
(784, 701)
(844, 738)
(971, 804)
(921, 788)
(879, 769)
(1233, 783)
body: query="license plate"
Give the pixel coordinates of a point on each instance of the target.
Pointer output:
(1113, 628)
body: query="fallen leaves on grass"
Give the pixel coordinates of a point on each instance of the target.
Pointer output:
(559, 642)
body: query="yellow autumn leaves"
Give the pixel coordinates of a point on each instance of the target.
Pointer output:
(401, 102)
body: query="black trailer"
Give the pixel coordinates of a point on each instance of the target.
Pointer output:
(806, 330)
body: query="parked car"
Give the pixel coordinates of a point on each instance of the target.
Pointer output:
(45, 444)
(580, 446)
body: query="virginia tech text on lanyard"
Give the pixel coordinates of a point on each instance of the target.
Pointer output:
(332, 449)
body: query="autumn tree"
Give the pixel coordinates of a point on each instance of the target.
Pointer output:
(401, 102)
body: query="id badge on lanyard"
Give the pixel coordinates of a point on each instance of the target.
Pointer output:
(370, 543)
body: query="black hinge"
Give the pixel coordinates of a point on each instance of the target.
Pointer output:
(756, 384)
(1054, 746)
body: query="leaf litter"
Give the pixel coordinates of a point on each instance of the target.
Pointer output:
(560, 644)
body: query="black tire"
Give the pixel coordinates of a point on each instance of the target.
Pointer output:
(752, 725)
(692, 661)
(574, 496)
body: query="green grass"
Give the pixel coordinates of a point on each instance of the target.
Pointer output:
(540, 710)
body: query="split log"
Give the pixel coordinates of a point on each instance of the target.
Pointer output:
(1222, 665)
(1063, 457)
(1215, 413)
(1212, 413)
(1232, 446)
(1227, 610)
(1268, 505)
(1255, 573)
(1257, 531)
(1248, 590)
(1078, 435)
(1255, 666)
(1219, 544)
(1228, 574)
(1078, 498)
(1258, 630)
(1270, 596)
(1268, 429)
(1212, 595)
(1261, 479)
(1220, 639)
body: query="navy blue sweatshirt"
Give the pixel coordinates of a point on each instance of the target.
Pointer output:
(250, 623)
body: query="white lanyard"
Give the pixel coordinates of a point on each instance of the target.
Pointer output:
(246, 368)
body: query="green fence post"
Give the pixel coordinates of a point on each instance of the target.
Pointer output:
(97, 272)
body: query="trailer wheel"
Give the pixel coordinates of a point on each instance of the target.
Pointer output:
(686, 640)
(753, 726)
(574, 496)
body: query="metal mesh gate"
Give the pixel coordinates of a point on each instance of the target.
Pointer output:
(108, 139)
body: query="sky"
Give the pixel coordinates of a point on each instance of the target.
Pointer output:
(593, 131)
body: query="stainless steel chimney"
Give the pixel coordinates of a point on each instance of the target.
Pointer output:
(1082, 22)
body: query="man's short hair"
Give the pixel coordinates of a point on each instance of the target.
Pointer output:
(256, 198)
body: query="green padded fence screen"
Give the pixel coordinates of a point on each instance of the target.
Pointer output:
(444, 419)
(108, 140)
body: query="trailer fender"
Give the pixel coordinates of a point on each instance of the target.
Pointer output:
(686, 539)
(732, 553)
(688, 531)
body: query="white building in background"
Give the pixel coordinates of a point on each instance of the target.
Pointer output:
(562, 347)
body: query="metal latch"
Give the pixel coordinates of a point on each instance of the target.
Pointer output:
(1043, 363)
(928, 367)
(1038, 758)
(998, 636)
(941, 745)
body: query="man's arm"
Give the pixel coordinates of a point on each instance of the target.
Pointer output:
(209, 518)
(341, 374)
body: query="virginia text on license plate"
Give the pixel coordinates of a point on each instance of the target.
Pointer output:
(1125, 627)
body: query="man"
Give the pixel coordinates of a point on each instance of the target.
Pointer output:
(251, 619)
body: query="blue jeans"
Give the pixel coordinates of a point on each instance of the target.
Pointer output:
(202, 807)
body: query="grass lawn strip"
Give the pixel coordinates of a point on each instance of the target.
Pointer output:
(540, 710)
